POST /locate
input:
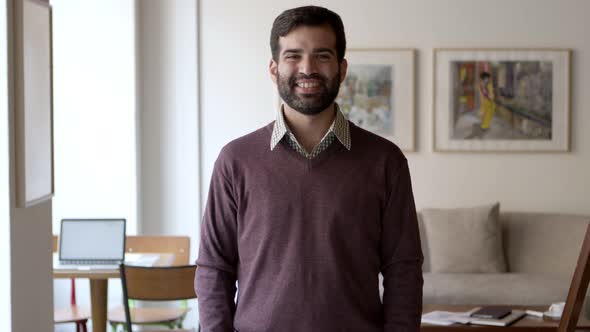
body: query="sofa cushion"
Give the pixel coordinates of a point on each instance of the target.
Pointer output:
(464, 240)
(542, 243)
(494, 288)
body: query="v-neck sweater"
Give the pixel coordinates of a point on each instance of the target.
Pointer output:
(305, 239)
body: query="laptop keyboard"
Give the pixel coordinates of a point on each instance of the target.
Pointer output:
(88, 262)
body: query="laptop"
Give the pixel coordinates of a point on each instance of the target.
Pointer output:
(91, 244)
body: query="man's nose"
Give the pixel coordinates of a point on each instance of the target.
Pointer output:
(308, 65)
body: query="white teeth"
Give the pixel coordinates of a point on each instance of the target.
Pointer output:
(308, 85)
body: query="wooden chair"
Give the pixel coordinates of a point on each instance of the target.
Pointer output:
(578, 288)
(74, 313)
(155, 284)
(174, 317)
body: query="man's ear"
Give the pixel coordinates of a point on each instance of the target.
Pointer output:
(273, 69)
(343, 69)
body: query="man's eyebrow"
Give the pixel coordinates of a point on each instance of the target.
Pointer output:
(293, 50)
(323, 50)
(315, 50)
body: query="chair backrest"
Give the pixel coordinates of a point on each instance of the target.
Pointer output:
(177, 245)
(156, 284)
(578, 287)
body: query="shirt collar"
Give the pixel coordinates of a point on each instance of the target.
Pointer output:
(340, 127)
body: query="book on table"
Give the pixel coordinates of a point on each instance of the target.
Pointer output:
(491, 313)
(512, 317)
(449, 318)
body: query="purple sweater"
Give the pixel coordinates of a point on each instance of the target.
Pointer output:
(306, 239)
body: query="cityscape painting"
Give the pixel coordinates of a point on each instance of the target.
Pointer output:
(377, 93)
(366, 97)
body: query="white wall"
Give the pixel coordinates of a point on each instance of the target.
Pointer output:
(168, 122)
(237, 96)
(30, 268)
(168, 117)
(25, 284)
(5, 278)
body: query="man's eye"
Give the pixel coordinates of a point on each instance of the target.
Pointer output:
(292, 56)
(324, 56)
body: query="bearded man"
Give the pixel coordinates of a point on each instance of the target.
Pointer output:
(304, 213)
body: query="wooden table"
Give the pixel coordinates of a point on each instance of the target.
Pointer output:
(99, 287)
(526, 324)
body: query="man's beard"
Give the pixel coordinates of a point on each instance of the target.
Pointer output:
(309, 103)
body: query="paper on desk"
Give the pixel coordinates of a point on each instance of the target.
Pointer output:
(141, 259)
(446, 318)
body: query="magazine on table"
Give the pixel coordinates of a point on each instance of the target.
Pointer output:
(446, 318)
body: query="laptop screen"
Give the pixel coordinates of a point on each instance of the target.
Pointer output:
(92, 239)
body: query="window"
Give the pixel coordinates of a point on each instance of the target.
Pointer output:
(94, 110)
(94, 120)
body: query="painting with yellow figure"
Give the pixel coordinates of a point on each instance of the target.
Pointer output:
(504, 100)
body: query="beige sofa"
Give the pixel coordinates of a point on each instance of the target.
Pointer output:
(541, 251)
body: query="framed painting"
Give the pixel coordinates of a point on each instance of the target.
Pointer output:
(501, 100)
(33, 102)
(378, 93)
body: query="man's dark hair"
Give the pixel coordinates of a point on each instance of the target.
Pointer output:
(484, 75)
(307, 16)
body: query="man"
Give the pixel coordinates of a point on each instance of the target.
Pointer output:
(487, 107)
(486, 97)
(305, 212)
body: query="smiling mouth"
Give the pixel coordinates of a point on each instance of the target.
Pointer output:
(308, 87)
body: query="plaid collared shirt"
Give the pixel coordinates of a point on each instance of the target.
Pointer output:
(339, 129)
